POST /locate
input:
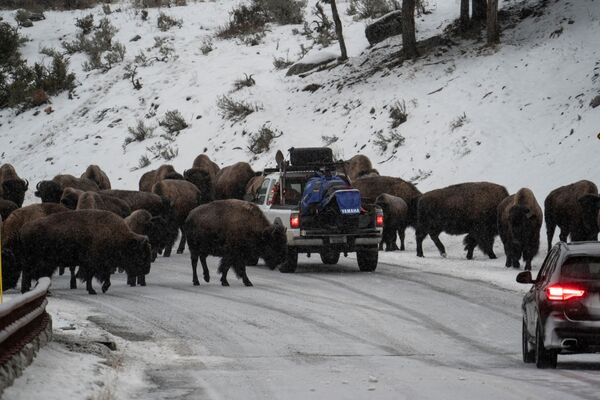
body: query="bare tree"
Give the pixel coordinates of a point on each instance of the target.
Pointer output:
(409, 38)
(338, 29)
(478, 10)
(493, 29)
(464, 14)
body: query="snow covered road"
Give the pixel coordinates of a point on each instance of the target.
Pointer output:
(323, 333)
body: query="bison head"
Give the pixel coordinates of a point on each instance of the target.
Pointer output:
(274, 239)
(14, 190)
(523, 224)
(590, 204)
(69, 198)
(139, 256)
(203, 181)
(157, 232)
(49, 191)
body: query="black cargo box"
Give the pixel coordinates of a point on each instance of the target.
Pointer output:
(311, 156)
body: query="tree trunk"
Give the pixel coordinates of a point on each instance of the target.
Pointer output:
(338, 30)
(464, 14)
(409, 38)
(478, 10)
(493, 29)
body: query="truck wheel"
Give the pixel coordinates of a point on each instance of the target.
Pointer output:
(291, 264)
(330, 257)
(367, 259)
(252, 262)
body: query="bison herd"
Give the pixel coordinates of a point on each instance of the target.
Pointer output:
(84, 225)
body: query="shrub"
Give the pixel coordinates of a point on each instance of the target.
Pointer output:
(22, 17)
(207, 46)
(329, 140)
(235, 110)
(163, 150)
(106, 9)
(458, 122)
(139, 133)
(260, 142)
(398, 114)
(383, 142)
(362, 9)
(165, 22)
(283, 12)
(102, 52)
(86, 24)
(173, 122)
(143, 162)
(281, 63)
(324, 32)
(244, 20)
(246, 81)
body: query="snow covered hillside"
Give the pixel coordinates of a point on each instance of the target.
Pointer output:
(517, 115)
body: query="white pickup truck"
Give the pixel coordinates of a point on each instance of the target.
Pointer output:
(328, 232)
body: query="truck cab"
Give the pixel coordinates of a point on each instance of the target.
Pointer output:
(327, 228)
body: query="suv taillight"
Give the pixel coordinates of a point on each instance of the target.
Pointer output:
(294, 220)
(562, 293)
(379, 219)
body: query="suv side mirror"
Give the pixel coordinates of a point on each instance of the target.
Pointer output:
(525, 277)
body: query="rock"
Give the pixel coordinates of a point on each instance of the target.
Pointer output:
(313, 87)
(26, 24)
(135, 38)
(36, 16)
(373, 379)
(387, 26)
(595, 102)
(310, 63)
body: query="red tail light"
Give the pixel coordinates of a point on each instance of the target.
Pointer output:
(561, 293)
(379, 220)
(294, 221)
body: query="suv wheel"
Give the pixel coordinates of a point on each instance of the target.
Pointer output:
(330, 257)
(528, 353)
(292, 262)
(543, 358)
(367, 259)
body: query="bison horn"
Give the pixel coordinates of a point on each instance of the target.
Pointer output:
(26, 184)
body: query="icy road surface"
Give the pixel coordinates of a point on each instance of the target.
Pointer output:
(322, 333)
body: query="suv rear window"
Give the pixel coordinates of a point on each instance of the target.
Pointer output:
(585, 268)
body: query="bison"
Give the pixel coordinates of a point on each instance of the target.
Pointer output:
(184, 196)
(519, 223)
(205, 163)
(574, 209)
(143, 223)
(94, 173)
(236, 231)
(12, 187)
(231, 181)
(6, 208)
(359, 166)
(98, 201)
(10, 237)
(253, 187)
(203, 180)
(70, 197)
(372, 187)
(136, 200)
(51, 191)
(95, 240)
(395, 212)
(469, 208)
(151, 177)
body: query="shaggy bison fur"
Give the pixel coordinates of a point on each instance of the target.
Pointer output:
(6, 208)
(98, 201)
(96, 241)
(574, 209)
(395, 213)
(232, 180)
(143, 223)
(51, 191)
(359, 166)
(236, 231)
(150, 178)
(184, 196)
(12, 187)
(204, 162)
(519, 223)
(470, 208)
(94, 173)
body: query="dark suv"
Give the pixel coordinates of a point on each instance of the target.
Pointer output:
(561, 312)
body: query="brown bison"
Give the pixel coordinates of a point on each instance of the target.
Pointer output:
(143, 223)
(184, 196)
(359, 166)
(98, 201)
(151, 177)
(10, 237)
(395, 213)
(469, 208)
(136, 200)
(6, 208)
(253, 187)
(205, 163)
(236, 231)
(203, 181)
(574, 209)
(51, 191)
(232, 180)
(373, 186)
(12, 187)
(519, 223)
(97, 241)
(94, 173)
(70, 197)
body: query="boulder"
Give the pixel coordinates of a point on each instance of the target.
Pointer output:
(387, 26)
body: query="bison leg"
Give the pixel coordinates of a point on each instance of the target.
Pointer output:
(88, 285)
(240, 270)
(168, 248)
(194, 258)
(73, 283)
(61, 271)
(486, 243)
(438, 243)
(205, 271)
(420, 235)
(224, 269)
(141, 280)
(25, 282)
(131, 280)
(181, 247)
(401, 234)
(470, 242)
(550, 228)
(106, 284)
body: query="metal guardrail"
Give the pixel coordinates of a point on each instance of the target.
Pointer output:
(22, 319)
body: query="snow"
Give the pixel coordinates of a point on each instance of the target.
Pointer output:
(318, 57)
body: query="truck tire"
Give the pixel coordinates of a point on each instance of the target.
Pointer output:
(330, 257)
(291, 264)
(367, 259)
